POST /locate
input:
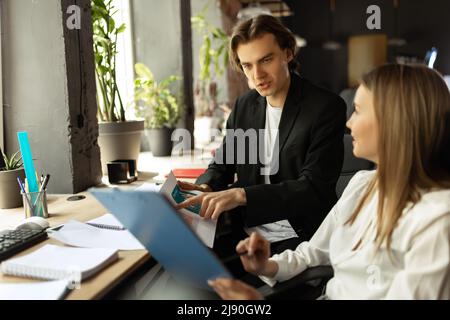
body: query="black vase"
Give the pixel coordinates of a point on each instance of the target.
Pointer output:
(161, 142)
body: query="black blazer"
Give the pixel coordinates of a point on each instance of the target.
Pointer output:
(311, 154)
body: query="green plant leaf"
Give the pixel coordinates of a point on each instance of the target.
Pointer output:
(121, 28)
(14, 162)
(110, 105)
(153, 100)
(143, 72)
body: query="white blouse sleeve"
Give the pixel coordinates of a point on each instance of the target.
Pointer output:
(316, 251)
(426, 272)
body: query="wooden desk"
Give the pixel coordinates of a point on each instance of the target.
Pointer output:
(61, 211)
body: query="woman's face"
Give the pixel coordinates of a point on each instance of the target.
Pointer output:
(364, 127)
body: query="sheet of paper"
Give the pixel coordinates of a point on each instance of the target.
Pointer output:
(49, 290)
(204, 228)
(79, 234)
(149, 187)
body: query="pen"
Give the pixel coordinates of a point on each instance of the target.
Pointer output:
(235, 256)
(45, 183)
(22, 188)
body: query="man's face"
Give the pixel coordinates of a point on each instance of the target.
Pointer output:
(266, 66)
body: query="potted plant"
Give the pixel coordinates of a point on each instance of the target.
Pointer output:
(158, 106)
(10, 196)
(118, 138)
(213, 58)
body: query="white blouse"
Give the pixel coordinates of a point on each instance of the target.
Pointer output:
(417, 267)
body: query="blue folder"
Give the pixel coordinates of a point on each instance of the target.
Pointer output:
(158, 226)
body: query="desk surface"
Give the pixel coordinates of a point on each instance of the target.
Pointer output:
(61, 211)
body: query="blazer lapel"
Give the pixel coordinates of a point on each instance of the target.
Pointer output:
(260, 113)
(290, 110)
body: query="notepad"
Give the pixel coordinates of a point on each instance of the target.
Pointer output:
(48, 290)
(54, 263)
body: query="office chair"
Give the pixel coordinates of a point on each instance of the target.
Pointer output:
(308, 285)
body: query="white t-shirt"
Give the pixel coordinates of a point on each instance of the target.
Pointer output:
(417, 268)
(280, 230)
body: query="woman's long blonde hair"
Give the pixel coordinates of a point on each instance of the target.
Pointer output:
(412, 108)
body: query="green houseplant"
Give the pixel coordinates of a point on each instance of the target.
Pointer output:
(155, 103)
(110, 105)
(213, 59)
(118, 138)
(10, 196)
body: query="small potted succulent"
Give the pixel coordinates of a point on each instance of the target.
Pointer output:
(11, 169)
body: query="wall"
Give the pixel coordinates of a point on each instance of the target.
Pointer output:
(422, 23)
(157, 36)
(40, 98)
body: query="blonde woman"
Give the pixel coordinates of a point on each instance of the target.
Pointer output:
(388, 237)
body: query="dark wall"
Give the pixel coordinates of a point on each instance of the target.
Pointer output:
(423, 24)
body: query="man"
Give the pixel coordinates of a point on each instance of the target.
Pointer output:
(301, 145)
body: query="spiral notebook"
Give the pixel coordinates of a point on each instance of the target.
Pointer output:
(55, 262)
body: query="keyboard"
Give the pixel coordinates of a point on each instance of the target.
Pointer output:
(14, 241)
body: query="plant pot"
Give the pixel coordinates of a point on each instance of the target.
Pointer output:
(10, 196)
(119, 140)
(145, 141)
(161, 142)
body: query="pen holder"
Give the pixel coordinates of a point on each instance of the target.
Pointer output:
(122, 171)
(35, 204)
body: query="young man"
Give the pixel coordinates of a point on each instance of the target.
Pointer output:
(301, 143)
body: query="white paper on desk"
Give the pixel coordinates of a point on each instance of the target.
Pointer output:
(204, 228)
(107, 219)
(78, 234)
(149, 187)
(48, 290)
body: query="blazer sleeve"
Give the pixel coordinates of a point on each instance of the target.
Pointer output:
(306, 200)
(220, 175)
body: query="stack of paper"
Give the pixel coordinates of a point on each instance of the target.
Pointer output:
(56, 263)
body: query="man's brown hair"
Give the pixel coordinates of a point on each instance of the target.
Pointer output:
(255, 28)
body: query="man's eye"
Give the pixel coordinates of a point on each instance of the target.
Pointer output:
(267, 60)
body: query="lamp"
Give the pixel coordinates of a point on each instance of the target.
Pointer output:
(396, 41)
(331, 44)
(278, 8)
(301, 42)
(252, 10)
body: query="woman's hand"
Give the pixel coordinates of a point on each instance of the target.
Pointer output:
(255, 254)
(230, 289)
